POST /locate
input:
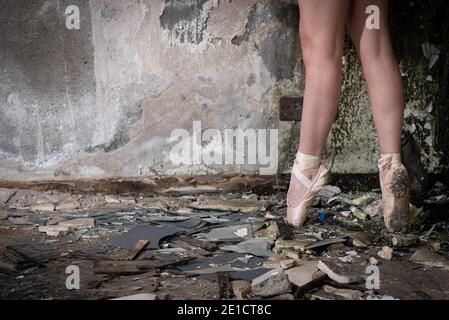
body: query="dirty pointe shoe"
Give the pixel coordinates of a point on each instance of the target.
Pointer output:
(395, 185)
(309, 185)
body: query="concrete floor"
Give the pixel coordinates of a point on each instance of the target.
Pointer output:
(33, 264)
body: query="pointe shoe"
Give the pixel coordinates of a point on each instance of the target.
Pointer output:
(395, 195)
(297, 212)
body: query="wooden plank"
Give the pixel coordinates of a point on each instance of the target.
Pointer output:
(121, 267)
(208, 246)
(137, 249)
(124, 267)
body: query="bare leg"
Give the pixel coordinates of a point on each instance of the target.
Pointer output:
(322, 24)
(387, 100)
(381, 73)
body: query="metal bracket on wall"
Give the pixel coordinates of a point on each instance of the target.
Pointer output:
(290, 108)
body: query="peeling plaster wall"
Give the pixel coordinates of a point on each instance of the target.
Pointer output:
(47, 88)
(103, 101)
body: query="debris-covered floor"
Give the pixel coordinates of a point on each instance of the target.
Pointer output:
(218, 246)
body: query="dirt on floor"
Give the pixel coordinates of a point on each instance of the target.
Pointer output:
(218, 245)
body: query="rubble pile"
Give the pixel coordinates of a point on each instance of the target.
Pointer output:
(219, 246)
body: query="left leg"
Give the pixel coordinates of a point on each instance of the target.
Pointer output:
(387, 100)
(381, 73)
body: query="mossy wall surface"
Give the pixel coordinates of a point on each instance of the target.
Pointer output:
(352, 145)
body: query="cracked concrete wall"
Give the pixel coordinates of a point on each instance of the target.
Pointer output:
(103, 101)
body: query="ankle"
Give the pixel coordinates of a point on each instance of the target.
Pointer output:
(307, 163)
(392, 157)
(385, 162)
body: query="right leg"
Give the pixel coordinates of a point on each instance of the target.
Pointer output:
(322, 24)
(322, 29)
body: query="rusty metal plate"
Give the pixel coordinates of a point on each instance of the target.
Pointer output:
(290, 108)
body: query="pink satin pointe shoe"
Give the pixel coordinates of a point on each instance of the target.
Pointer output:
(395, 188)
(297, 210)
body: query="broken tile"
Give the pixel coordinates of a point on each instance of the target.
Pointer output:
(373, 261)
(321, 295)
(80, 223)
(230, 233)
(347, 294)
(272, 283)
(188, 248)
(54, 231)
(404, 240)
(127, 200)
(297, 244)
(285, 296)
(436, 246)
(274, 262)
(124, 267)
(208, 246)
(215, 220)
(386, 253)
(271, 232)
(361, 201)
(329, 191)
(4, 214)
(231, 205)
(260, 247)
(291, 253)
(226, 262)
(6, 195)
(345, 214)
(380, 297)
(374, 209)
(190, 225)
(68, 206)
(176, 251)
(111, 199)
(241, 289)
(339, 273)
(358, 213)
(139, 296)
(143, 232)
(348, 258)
(21, 221)
(304, 273)
(360, 239)
(167, 218)
(325, 242)
(55, 221)
(287, 263)
(429, 258)
(43, 206)
(215, 269)
(337, 249)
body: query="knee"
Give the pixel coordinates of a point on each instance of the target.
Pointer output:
(369, 52)
(320, 50)
(375, 51)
